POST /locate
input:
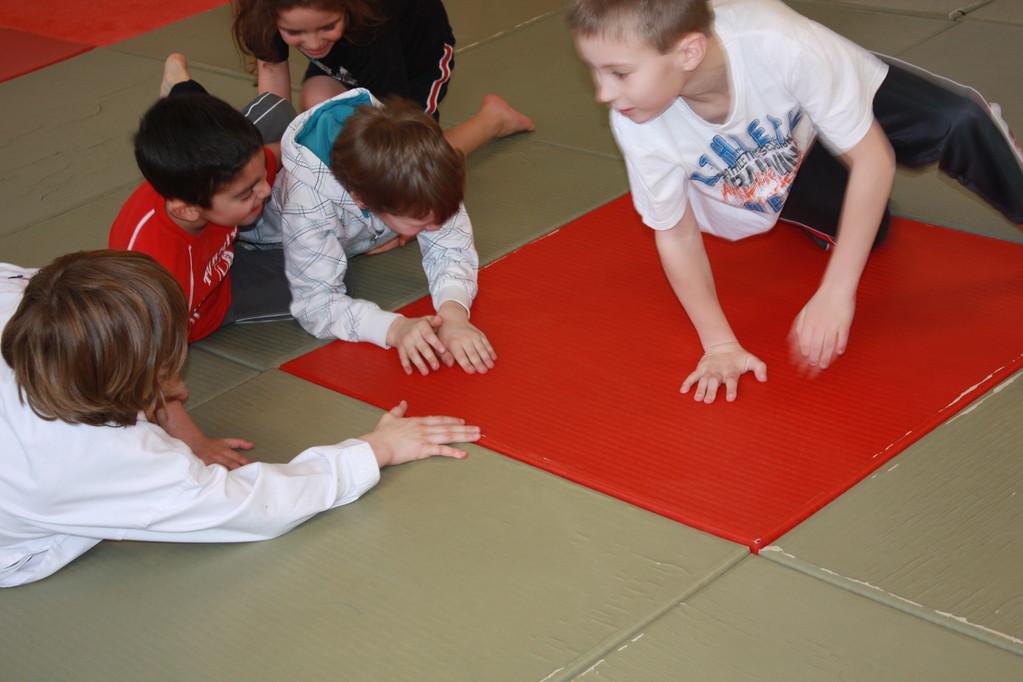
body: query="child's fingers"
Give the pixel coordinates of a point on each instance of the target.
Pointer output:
(438, 420)
(469, 361)
(431, 338)
(759, 370)
(443, 451)
(809, 339)
(807, 343)
(461, 433)
(406, 363)
(710, 389)
(439, 430)
(473, 354)
(442, 435)
(813, 346)
(427, 344)
(394, 414)
(485, 355)
(420, 355)
(827, 351)
(731, 387)
(689, 381)
(230, 459)
(421, 363)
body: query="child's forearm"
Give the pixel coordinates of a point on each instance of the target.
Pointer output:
(176, 421)
(685, 263)
(871, 172)
(274, 78)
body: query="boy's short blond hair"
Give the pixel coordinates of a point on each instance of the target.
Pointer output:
(95, 337)
(394, 159)
(658, 24)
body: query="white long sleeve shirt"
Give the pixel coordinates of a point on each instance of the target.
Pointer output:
(322, 228)
(64, 487)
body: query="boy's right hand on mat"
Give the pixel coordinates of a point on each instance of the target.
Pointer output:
(417, 342)
(722, 365)
(399, 439)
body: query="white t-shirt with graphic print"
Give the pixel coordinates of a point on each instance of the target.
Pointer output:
(791, 79)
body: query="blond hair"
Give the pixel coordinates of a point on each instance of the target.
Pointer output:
(658, 24)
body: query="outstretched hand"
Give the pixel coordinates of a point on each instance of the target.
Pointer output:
(721, 366)
(398, 439)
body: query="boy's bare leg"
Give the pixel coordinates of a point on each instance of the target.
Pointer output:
(319, 89)
(175, 70)
(496, 118)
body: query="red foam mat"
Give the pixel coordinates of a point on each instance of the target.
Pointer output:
(593, 347)
(98, 22)
(22, 52)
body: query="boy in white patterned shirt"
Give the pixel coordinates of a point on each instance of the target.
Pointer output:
(360, 177)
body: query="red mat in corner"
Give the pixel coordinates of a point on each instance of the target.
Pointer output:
(593, 347)
(22, 52)
(37, 34)
(98, 22)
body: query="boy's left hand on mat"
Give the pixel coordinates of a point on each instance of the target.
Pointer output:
(417, 342)
(467, 346)
(398, 439)
(820, 332)
(721, 367)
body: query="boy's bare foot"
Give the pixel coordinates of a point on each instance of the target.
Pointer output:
(175, 70)
(506, 120)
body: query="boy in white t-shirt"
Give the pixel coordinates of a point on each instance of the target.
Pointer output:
(716, 106)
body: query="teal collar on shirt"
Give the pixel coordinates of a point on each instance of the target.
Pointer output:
(326, 122)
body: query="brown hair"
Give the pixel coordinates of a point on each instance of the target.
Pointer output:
(255, 23)
(96, 335)
(659, 24)
(395, 159)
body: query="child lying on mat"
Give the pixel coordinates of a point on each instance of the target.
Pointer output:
(208, 171)
(208, 174)
(359, 175)
(716, 105)
(92, 346)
